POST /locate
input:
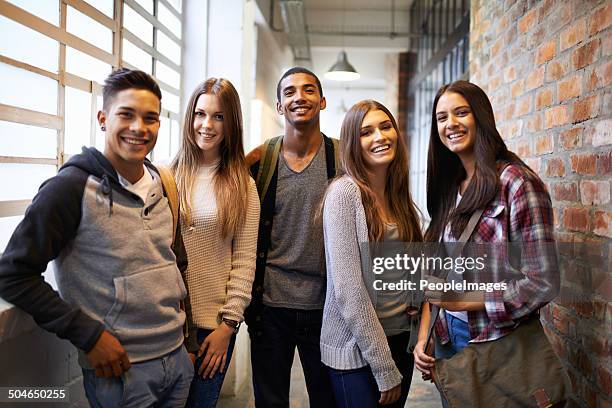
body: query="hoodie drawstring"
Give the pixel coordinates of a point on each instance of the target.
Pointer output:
(107, 190)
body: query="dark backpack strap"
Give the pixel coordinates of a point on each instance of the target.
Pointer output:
(332, 156)
(267, 165)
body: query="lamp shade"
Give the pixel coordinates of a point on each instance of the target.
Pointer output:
(342, 70)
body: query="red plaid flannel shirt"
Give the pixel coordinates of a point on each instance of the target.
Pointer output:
(521, 212)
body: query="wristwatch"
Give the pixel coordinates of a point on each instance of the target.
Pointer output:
(232, 323)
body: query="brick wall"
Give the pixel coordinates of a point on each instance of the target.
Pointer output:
(405, 104)
(547, 68)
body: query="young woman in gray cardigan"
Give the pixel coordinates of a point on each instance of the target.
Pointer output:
(365, 331)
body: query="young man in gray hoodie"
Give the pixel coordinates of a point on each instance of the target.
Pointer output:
(105, 222)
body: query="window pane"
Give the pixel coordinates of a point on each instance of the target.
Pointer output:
(21, 181)
(175, 138)
(78, 120)
(86, 66)
(22, 85)
(46, 55)
(105, 6)
(47, 10)
(7, 226)
(89, 30)
(137, 25)
(166, 74)
(169, 20)
(170, 101)
(137, 57)
(168, 47)
(162, 147)
(176, 4)
(27, 141)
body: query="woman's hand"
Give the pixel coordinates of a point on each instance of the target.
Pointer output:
(214, 349)
(390, 396)
(422, 361)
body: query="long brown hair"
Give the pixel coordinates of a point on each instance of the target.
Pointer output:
(231, 180)
(445, 171)
(397, 192)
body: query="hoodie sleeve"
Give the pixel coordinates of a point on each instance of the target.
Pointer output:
(49, 224)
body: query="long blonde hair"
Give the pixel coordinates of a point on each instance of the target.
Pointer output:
(231, 180)
(397, 191)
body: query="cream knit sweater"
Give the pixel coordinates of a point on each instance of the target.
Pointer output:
(221, 271)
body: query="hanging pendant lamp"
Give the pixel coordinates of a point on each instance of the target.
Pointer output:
(342, 70)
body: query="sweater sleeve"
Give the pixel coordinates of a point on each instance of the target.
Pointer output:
(244, 248)
(49, 224)
(342, 249)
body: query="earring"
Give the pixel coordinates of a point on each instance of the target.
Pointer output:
(103, 128)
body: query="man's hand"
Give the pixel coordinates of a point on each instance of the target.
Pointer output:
(390, 396)
(422, 361)
(215, 346)
(108, 357)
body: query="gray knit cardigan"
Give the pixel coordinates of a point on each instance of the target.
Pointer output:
(351, 335)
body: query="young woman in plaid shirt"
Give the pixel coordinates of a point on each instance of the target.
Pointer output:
(469, 167)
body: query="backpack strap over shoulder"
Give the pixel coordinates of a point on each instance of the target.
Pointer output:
(267, 165)
(172, 194)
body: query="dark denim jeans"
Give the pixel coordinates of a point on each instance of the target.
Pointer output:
(272, 351)
(161, 382)
(358, 389)
(204, 392)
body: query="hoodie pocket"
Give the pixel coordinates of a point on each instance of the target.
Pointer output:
(146, 300)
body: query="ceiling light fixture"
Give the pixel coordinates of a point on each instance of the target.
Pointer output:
(342, 70)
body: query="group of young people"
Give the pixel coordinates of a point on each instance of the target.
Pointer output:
(153, 301)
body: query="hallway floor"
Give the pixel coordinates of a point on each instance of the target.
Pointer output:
(422, 394)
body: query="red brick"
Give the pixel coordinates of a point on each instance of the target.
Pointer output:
(594, 192)
(545, 9)
(586, 54)
(509, 112)
(584, 109)
(604, 287)
(527, 21)
(599, 77)
(544, 144)
(603, 133)
(602, 223)
(556, 116)
(544, 97)
(600, 19)
(509, 74)
(576, 219)
(556, 70)
(571, 139)
(524, 106)
(555, 167)
(496, 47)
(606, 49)
(516, 89)
(523, 148)
(535, 79)
(572, 35)
(565, 191)
(569, 88)
(604, 163)
(494, 83)
(584, 163)
(546, 52)
(535, 39)
(534, 124)
(534, 163)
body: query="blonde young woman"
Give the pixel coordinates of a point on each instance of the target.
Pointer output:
(219, 219)
(365, 332)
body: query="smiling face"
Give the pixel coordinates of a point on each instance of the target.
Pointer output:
(456, 124)
(378, 140)
(300, 99)
(208, 126)
(132, 122)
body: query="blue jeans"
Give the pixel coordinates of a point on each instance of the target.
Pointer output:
(272, 351)
(459, 335)
(358, 389)
(161, 382)
(204, 392)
